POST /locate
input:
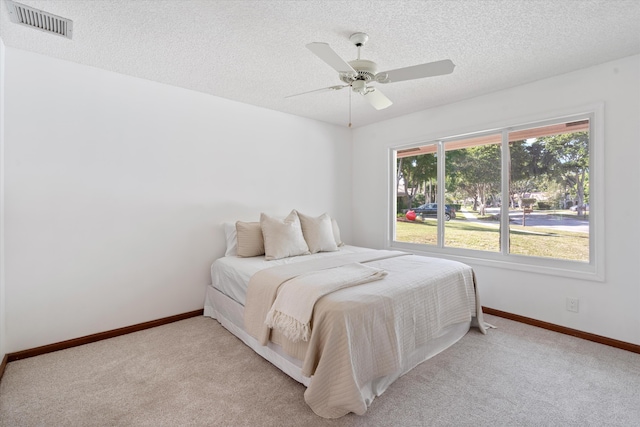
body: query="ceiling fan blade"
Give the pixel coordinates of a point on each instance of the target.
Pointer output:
(377, 99)
(324, 89)
(328, 55)
(429, 69)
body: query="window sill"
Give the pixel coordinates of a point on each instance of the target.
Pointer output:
(529, 264)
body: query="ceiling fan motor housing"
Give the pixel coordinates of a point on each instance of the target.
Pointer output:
(366, 70)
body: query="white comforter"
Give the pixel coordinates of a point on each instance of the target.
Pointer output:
(366, 336)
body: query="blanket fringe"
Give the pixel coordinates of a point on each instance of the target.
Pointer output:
(290, 327)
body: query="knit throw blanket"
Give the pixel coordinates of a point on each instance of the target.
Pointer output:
(292, 310)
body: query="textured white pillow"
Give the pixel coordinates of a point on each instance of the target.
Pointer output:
(282, 238)
(318, 233)
(250, 242)
(336, 232)
(230, 236)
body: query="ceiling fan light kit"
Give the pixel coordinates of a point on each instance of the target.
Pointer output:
(360, 86)
(360, 74)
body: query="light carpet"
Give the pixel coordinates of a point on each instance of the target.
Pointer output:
(196, 373)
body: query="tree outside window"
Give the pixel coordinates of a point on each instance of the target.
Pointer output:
(546, 208)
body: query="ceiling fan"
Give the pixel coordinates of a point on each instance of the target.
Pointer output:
(359, 74)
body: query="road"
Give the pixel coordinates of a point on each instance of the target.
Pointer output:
(537, 219)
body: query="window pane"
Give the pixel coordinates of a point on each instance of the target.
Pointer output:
(472, 197)
(416, 185)
(549, 191)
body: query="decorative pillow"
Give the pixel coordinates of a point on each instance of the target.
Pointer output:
(250, 242)
(336, 232)
(282, 238)
(318, 233)
(230, 236)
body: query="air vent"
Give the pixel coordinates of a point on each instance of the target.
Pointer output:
(38, 19)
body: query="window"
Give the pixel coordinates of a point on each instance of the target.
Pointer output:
(473, 168)
(522, 195)
(549, 191)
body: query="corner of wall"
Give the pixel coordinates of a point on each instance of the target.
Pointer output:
(3, 329)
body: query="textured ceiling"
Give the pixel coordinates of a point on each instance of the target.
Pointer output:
(254, 51)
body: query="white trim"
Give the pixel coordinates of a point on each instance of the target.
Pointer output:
(440, 161)
(596, 190)
(548, 266)
(504, 187)
(3, 305)
(392, 194)
(594, 270)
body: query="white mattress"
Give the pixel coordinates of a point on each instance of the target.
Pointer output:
(231, 274)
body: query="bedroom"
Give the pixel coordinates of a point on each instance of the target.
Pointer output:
(115, 194)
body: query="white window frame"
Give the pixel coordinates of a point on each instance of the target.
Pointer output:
(593, 270)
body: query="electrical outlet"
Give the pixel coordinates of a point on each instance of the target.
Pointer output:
(572, 304)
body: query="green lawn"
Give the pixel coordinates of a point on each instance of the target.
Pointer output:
(524, 240)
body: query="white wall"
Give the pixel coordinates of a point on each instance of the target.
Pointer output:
(116, 186)
(608, 308)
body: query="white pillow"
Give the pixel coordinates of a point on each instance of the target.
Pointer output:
(249, 235)
(336, 232)
(282, 238)
(318, 233)
(231, 237)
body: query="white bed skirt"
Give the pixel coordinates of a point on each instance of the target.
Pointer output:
(230, 314)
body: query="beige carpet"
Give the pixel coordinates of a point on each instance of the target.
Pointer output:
(195, 373)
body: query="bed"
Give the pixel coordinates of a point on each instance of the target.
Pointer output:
(362, 336)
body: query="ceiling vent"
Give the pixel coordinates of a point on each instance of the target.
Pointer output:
(40, 20)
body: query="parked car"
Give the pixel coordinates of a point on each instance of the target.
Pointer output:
(431, 209)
